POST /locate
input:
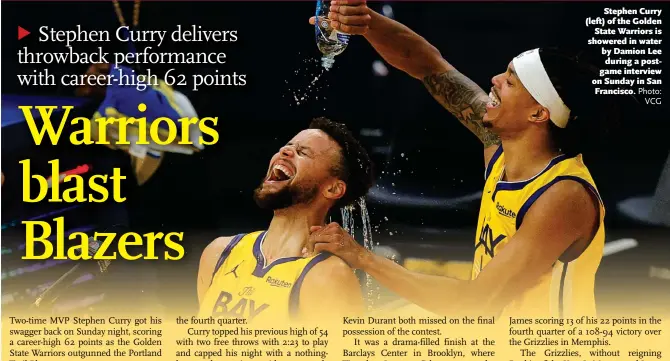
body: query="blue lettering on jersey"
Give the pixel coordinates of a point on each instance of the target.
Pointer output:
(221, 307)
(487, 241)
(504, 211)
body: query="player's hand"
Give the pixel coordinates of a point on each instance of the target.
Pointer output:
(332, 238)
(348, 16)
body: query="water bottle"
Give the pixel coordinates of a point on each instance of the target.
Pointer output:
(329, 41)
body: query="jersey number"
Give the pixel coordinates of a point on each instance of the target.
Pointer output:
(222, 308)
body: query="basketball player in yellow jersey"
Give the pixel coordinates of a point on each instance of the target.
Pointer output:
(540, 231)
(261, 276)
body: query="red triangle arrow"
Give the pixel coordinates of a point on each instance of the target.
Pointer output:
(23, 33)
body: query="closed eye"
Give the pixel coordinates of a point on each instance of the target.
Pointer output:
(511, 73)
(304, 151)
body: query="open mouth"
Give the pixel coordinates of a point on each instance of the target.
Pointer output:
(494, 100)
(280, 173)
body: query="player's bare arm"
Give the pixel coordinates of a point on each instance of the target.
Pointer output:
(413, 54)
(330, 291)
(559, 224)
(465, 100)
(408, 51)
(210, 255)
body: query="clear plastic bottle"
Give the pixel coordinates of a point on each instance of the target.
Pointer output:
(329, 41)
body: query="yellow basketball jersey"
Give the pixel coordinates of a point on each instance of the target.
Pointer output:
(245, 286)
(568, 290)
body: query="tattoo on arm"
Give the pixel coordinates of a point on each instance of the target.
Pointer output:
(464, 99)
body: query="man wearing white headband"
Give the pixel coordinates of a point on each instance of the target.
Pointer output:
(540, 233)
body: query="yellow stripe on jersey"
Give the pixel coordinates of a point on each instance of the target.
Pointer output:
(245, 286)
(568, 290)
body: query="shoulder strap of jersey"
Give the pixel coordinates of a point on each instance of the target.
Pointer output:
(294, 298)
(492, 162)
(226, 253)
(533, 197)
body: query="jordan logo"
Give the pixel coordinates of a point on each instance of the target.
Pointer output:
(234, 270)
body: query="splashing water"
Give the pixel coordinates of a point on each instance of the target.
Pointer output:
(348, 219)
(309, 78)
(367, 228)
(373, 294)
(348, 225)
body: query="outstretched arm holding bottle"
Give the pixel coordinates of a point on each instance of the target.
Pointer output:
(408, 51)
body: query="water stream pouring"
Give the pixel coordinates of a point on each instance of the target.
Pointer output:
(348, 225)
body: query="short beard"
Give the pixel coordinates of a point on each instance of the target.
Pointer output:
(286, 197)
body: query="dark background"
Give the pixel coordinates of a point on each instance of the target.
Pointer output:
(421, 152)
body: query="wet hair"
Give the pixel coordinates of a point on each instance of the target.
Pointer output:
(355, 167)
(592, 117)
